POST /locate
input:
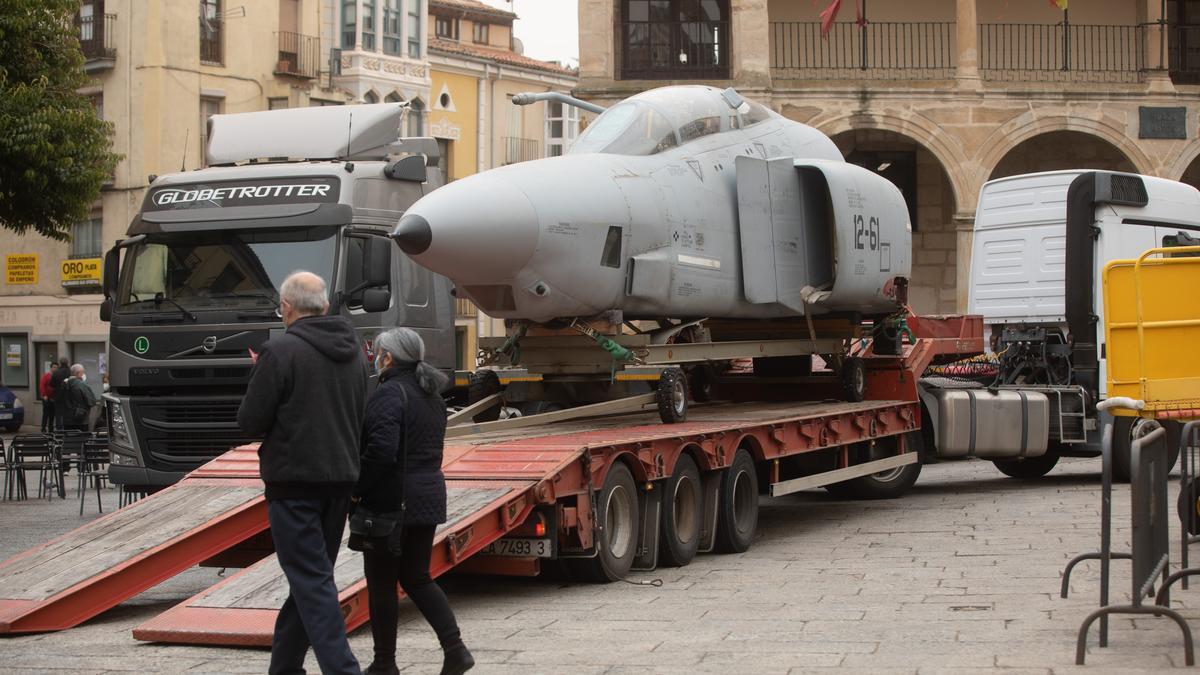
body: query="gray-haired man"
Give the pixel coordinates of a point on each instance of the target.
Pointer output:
(77, 400)
(306, 397)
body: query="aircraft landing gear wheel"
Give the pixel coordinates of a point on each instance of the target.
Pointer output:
(1029, 468)
(854, 379)
(617, 529)
(483, 384)
(683, 504)
(737, 512)
(672, 396)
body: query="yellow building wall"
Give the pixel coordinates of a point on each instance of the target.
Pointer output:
(460, 125)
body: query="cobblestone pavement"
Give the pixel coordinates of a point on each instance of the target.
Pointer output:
(959, 576)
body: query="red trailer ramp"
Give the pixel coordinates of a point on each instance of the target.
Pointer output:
(72, 578)
(241, 610)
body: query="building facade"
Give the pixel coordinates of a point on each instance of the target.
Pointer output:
(381, 52)
(159, 70)
(476, 67)
(937, 95)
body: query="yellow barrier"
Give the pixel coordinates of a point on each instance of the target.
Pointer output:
(1152, 331)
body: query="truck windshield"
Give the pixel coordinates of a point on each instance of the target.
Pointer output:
(207, 270)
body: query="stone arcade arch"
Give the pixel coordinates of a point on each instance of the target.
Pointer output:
(1059, 150)
(927, 188)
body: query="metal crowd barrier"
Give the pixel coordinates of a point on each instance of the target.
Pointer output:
(1150, 550)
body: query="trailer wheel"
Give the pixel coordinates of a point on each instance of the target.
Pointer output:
(854, 379)
(483, 384)
(672, 396)
(1125, 431)
(683, 504)
(737, 512)
(888, 484)
(1029, 468)
(617, 524)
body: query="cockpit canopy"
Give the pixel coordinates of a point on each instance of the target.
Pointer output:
(660, 119)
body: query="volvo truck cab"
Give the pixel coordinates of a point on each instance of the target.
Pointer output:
(195, 285)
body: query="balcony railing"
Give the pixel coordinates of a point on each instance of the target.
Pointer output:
(521, 149)
(1061, 52)
(884, 50)
(1184, 54)
(465, 309)
(96, 36)
(211, 42)
(299, 55)
(657, 50)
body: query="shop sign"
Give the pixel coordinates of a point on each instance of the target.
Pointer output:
(21, 268)
(81, 272)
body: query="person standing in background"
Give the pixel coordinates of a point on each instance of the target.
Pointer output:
(77, 401)
(46, 391)
(58, 382)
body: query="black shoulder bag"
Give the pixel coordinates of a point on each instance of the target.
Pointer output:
(371, 531)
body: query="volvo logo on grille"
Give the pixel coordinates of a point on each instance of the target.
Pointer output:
(209, 344)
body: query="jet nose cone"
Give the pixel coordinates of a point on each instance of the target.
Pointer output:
(478, 230)
(413, 234)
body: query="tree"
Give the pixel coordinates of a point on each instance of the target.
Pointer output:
(54, 152)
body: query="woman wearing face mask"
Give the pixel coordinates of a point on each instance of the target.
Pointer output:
(403, 432)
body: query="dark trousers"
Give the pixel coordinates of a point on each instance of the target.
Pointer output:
(411, 571)
(47, 415)
(307, 534)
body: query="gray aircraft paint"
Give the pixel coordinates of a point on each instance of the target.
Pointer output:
(758, 220)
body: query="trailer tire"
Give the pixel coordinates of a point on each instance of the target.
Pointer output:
(854, 379)
(737, 511)
(672, 396)
(682, 509)
(1029, 468)
(617, 525)
(483, 384)
(888, 484)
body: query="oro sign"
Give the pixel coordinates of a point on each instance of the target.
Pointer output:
(81, 272)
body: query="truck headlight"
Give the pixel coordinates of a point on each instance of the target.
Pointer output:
(116, 427)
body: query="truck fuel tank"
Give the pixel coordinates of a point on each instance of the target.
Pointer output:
(1002, 424)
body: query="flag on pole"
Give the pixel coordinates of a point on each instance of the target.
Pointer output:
(1061, 4)
(829, 14)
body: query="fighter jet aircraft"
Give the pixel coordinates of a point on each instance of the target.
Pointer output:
(680, 202)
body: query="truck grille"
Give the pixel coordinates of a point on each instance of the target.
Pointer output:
(180, 435)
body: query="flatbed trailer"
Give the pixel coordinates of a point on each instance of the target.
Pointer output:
(591, 491)
(605, 495)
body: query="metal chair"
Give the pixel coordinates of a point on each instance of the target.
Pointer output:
(33, 452)
(95, 467)
(70, 453)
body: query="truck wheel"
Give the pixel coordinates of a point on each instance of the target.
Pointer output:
(672, 396)
(617, 525)
(683, 504)
(888, 484)
(1028, 468)
(737, 512)
(854, 379)
(483, 384)
(1125, 430)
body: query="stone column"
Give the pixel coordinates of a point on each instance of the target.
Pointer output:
(1157, 42)
(750, 35)
(967, 34)
(964, 229)
(597, 44)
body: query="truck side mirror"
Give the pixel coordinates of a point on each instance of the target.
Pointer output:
(411, 168)
(106, 310)
(112, 271)
(377, 262)
(376, 299)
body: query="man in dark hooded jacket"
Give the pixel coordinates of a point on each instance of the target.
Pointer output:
(306, 397)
